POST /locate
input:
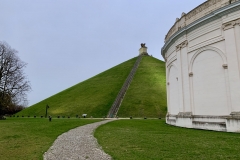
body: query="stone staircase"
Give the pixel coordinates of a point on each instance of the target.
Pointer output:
(117, 103)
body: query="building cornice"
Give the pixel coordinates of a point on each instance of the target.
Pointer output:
(217, 14)
(197, 13)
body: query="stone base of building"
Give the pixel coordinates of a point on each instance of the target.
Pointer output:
(228, 123)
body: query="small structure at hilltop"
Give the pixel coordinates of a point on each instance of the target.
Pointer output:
(202, 55)
(143, 49)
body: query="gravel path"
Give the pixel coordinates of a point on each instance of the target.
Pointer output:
(78, 143)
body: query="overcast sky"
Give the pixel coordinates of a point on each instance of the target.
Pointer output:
(65, 42)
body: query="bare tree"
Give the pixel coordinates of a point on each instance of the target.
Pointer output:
(13, 82)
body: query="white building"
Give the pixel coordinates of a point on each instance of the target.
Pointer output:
(202, 53)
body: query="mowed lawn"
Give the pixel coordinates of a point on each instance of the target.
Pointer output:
(29, 138)
(154, 140)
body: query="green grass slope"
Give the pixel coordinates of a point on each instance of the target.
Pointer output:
(93, 96)
(146, 95)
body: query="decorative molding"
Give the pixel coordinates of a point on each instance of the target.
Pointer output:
(230, 24)
(184, 115)
(172, 51)
(181, 45)
(197, 13)
(214, 15)
(178, 48)
(238, 22)
(168, 70)
(225, 66)
(206, 43)
(235, 115)
(184, 44)
(171, 60)
(183, 14)
(210, 116)
(171, 115)
(221, 54)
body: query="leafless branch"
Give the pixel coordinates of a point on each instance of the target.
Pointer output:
(13, 82)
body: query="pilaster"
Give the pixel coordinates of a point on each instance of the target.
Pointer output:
(167, 88)
(232, 41)
(237, 38)
(183, 77)
(179, 78)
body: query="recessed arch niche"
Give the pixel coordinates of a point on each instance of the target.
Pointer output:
(209, 89)
(173, 100)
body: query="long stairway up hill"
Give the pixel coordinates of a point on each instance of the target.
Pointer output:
(117, 103)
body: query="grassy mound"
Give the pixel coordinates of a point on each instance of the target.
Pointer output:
(93, 96)
(146, 95)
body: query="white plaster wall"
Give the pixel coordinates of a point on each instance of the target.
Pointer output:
(171, 58)
(208, 34)
(170, 52)
(185, 80)
(205, 37)
(205, 29)
(173, 102)
(209, 85)
(219, 44)
(232, 42)
(203, 71)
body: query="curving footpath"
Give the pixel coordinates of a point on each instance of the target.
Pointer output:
(78, 144)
